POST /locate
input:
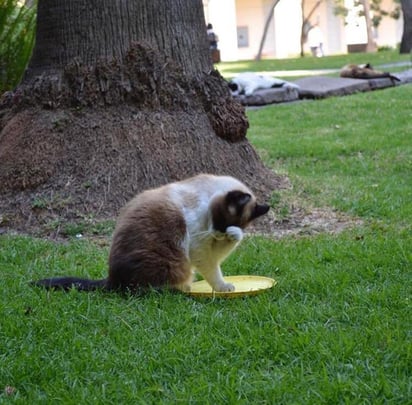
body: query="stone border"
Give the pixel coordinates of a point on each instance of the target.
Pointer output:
(270, 96)
(316, 87)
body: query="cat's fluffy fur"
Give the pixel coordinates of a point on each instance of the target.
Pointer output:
(365, 71)
(247, 83)
(165, 234)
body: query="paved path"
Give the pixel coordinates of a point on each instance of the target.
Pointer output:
(297, 72)
(320, 72)
(317, 86)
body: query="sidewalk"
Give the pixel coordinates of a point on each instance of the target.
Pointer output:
(316, 86)
(319, 72)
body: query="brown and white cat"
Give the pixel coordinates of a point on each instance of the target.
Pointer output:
(365, 72)
(164, 235)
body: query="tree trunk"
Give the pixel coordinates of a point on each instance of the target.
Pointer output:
(371, 45)
(406, 42)
(303, 29)
(306, 24)
(266, 28)
(105, 29)
(119, 96)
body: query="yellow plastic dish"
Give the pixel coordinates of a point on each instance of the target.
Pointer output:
(244, 286)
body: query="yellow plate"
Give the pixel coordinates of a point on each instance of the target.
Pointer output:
(244, 286)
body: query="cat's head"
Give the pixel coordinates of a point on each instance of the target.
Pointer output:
(236, 208)
(235, 89)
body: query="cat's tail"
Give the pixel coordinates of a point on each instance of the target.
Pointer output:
(392, 77)
(67, 283)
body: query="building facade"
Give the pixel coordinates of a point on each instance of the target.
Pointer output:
(240, 24)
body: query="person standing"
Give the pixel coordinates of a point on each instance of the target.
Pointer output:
(212, 37)
(315, 41)
(213, 40)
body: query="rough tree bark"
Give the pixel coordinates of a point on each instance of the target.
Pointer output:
(119, 96)
(406, 42)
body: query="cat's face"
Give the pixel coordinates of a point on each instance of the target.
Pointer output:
(234, 88)
(236, 208)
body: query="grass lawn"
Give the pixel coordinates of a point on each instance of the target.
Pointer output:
(294, 66)
(336, 328)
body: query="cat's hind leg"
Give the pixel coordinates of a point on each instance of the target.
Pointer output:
(184, 284)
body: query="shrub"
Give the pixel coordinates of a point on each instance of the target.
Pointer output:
(17, 33)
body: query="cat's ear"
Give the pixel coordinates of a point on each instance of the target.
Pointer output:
(236, 200)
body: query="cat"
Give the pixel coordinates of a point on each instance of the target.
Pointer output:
(247, 83)
(165, 234)
(365, 71)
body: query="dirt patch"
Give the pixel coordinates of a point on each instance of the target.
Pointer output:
(103, 157)
(303, 222)
(300, 222)
(76, 144)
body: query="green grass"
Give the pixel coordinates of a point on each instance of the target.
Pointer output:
(229, 69)
(335, 329)
(362, 143)
(332, 331)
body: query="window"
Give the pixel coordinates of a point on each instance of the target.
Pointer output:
(242, 37)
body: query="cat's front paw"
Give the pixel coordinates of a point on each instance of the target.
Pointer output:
(225, 287)
(234, 233)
